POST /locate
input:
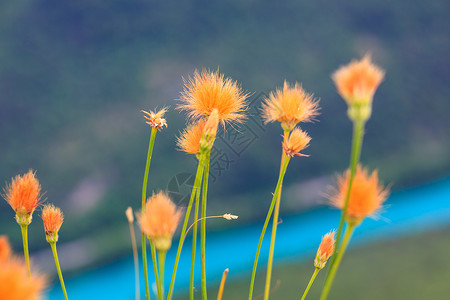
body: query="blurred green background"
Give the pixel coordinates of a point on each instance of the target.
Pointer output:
(74, 76)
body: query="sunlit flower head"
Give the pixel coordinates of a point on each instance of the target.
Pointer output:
(155, 119)
(189, 141)
(357, 81)
(289, 106)
(24, 195)
(296, 142)
(15, 284)
(53, 218)
(326, 249)
(366, 195)
(160, 219)
(207, 90)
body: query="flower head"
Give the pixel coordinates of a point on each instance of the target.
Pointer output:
(326, 249)
(15, 284)
(155, 119)
(356, 83)
(189, 141)
(24, 195)
(296, 142)
(53, 218)
(289, 106)
(366, 195)
(207, 91)
(129, 214)
(159, 220)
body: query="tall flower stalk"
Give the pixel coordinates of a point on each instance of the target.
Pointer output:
(156, 121)
(130, 218)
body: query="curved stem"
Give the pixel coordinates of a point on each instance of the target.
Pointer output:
(24, 229)
(194, 245)
(274, 231)
(58, 268)
(203, 225)
(222, 284)
(316, 271)
(357, 140)
(333, 268)
(161, 260)
(195, 190)
(266, 223)
(144, 195)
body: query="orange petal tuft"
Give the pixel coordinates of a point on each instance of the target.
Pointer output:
(189, 141)
(297, 141)
(326, 249)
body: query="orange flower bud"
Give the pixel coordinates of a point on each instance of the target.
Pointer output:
(297, 141)
(325, 251)
(53, 218)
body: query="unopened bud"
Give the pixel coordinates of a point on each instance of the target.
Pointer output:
(129, 214)
(229, 217)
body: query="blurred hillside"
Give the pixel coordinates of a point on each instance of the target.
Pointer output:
(75, 75)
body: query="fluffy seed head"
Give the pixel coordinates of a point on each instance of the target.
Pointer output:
(160, 220)
(207, 91)
(289, 106)
(326, 249)
(357, 81)
(189, 141)
(53, 218)
(297, 141)
(366, 195)
(155, 119)
(24, 195)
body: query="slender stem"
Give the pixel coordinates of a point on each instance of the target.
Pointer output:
(333, 268)
(222, 284)
(357, 140)
(24, 229)
(144, 195)
(194, 244)
(161, 260)
(274, 232)
(203, 226)
(266, 223)
(316, 271)
(155, 267)
(55, 256)
(195, 190)
(136, 261)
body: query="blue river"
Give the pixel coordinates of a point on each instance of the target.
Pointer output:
(406, 212)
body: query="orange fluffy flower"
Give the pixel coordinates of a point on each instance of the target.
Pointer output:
(297, 141)
(53, 218)
(24, 195)
(155, 119)
(326, 249)
(366, 195)
(160, 220)
(289, 106)
(357, 81)
(189, 141)
(207, 90)
(15, 284)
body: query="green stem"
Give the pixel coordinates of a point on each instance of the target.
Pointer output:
(195, 190)
(144, 195)
(266, 223)
(155, 267)
(24, 229)
(357, 140)
(203, 225)
(316, 271)
(274, 231)
(136, 261)
(194, 243)
(333, 268)
(161, 259)
(55, 256)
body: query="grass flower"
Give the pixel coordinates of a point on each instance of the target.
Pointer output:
(23, 195)
(160, 220)
(366, 195)
(15, 284)
(289, 106)
(155, 119)
(209, 131)
(189, 141)
(357, 83)
(326, 249)
(53, 218)
(207, 91)
(296, 142)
